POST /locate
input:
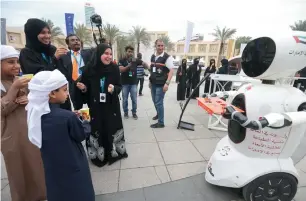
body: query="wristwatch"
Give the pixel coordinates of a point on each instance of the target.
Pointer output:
(168, 82)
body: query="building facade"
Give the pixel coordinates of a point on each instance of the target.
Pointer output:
(89, 11)
(205, 50)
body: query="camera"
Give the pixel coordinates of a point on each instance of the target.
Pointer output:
(96, 19)
(275, 57)
(134, 62)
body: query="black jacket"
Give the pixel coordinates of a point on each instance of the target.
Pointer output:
(65, 66)
(33, 62)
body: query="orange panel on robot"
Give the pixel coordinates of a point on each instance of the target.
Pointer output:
(214, 105)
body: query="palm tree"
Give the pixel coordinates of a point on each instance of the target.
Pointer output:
(299, 26)
(169, 46)
(223, 35)
(83, 33)
(140, 35)
(55, 31)
(240, 40)
(111, 32)
(122, 42)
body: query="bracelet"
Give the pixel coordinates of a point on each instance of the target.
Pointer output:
(168, 82)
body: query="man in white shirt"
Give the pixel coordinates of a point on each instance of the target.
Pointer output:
(161, 74)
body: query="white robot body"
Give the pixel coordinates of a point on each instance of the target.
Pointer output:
(261, 100)
(241, 169)
(261, 151)
(256, 153)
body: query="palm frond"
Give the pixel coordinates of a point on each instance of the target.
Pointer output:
(140, 35)
(111, 32)
(242, 39)
(83, 33)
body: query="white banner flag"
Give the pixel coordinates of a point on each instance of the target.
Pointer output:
(189, 30)
(242, 46)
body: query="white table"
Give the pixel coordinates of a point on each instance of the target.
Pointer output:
(237, 80)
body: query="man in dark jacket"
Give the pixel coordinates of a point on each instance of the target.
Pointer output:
(128, 69)
(233, 69)
(224, 69)
(71, 65)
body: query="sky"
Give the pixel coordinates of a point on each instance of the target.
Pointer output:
(250, 17)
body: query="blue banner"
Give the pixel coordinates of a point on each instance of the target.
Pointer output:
(69, 23)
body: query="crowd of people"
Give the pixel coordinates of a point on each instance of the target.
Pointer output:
(41, 132)
(189, 77)
(42, 90)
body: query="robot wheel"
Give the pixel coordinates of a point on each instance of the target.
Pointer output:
(271, 187)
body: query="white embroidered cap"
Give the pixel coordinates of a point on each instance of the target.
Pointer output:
(8, 52)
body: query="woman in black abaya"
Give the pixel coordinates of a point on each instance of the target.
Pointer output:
(211, 69)
(38, 54)
(193, 78)
(101, 85)
(181, 81)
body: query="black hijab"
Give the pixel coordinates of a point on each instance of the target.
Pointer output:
(32, 29)
(196, 61)
(184, 65)
(96, 67)
(211, 62)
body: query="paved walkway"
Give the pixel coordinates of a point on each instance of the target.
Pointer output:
(193, 188)
(159, 156)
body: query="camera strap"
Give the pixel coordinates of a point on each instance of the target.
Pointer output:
(102, 82)
(46, 58)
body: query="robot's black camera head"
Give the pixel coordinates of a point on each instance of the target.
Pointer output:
(96, 19)
(280, 55)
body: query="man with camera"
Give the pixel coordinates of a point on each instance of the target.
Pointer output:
(128, 69)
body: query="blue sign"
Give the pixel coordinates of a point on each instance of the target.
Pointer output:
(69, 23)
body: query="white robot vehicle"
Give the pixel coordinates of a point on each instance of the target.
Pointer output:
(256, 153)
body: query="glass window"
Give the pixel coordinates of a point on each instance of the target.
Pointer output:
(213, 48)
(202, 48)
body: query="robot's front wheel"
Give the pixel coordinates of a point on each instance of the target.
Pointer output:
(273, 187)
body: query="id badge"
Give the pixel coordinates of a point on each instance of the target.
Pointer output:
(102, 97)
(154, 69)
(130, 74)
